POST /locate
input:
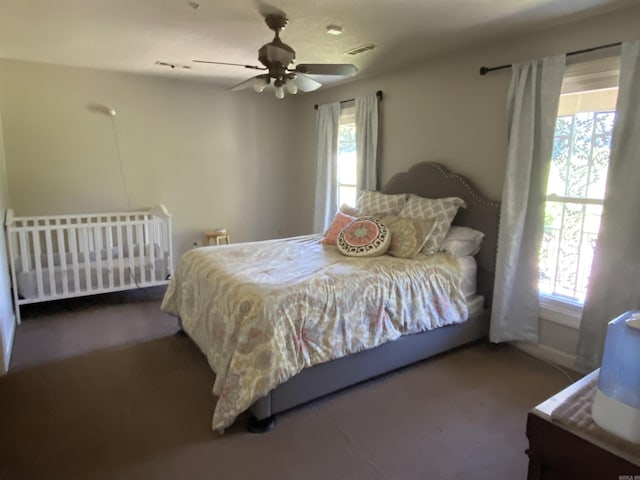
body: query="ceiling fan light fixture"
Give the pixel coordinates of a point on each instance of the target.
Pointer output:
(292, 86)
(334, 30)
(260, 83)
(279, 92)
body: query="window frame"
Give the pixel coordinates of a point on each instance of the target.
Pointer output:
(598, 74)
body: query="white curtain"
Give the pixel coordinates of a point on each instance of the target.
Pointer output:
(614, 285)
(367, 142)
(532, 105)
(327, 121)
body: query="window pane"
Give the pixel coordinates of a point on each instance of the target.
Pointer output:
(601, 149)
(569, 240)
(580, 155)
(347, 163)
(346, 138)
(579, 164)
(347, 168)
(604, 123)
(550, 246)
(347, 195)
(560, 156)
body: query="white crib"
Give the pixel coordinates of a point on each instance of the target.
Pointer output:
(64, 256)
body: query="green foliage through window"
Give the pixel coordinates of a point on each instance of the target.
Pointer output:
(577, 178)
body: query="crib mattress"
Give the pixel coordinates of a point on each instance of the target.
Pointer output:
(27, 282)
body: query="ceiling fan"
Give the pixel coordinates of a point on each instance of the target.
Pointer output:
(277, 56)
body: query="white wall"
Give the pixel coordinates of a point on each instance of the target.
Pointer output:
(213, 158)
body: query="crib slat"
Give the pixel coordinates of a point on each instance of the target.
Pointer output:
(141, 245)
(38, 265)
(152, 253)
(120, 255)
(62, 251)
(109, 247)
(24, 253)
(130, 255)
(73, 249)
(85, 253)
(97, 242)
(161, 251)
(50, 266)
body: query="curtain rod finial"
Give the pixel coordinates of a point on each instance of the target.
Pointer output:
(484, 70)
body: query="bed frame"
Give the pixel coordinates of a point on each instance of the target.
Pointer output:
(426, 179)
(63, 256)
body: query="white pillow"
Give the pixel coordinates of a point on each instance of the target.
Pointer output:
(462, 241)
(442, 210)
(372, 203)
(469, 268)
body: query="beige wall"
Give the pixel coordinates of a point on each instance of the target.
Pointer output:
(246, 161)
(444, 110)
(213, 158)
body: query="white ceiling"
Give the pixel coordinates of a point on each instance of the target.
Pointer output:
(131, 35)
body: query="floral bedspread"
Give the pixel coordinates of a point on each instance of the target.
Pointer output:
(263, 311)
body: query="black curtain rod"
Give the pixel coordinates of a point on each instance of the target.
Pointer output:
(378, 94)
(485, 70)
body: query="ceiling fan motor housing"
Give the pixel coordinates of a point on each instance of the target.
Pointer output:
(276, 57)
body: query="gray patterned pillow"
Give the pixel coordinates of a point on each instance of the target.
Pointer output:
(442, 210)
(408, 235)
(375, 203)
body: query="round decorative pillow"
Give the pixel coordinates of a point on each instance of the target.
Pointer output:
(364, 237)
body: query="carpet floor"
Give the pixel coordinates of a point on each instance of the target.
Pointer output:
(143, 412)
(61, 329)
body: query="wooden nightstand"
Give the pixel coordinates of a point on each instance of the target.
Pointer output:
(218, 236)
(559, 452)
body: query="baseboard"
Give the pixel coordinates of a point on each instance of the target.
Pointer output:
(8, 345)
(549, 354)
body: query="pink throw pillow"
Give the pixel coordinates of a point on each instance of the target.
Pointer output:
(340, 221)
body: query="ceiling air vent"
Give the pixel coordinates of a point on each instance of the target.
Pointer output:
(360, 49)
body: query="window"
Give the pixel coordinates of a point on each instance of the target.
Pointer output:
(347, 162)
(576, 187)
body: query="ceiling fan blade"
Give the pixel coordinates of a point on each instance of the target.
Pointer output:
(253, 67)
(306, 84)
(244, 85)
(341, 69)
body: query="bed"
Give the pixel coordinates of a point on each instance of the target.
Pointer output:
(323, 320)
(63, 256)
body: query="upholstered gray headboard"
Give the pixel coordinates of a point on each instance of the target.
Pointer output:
(432, 180)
